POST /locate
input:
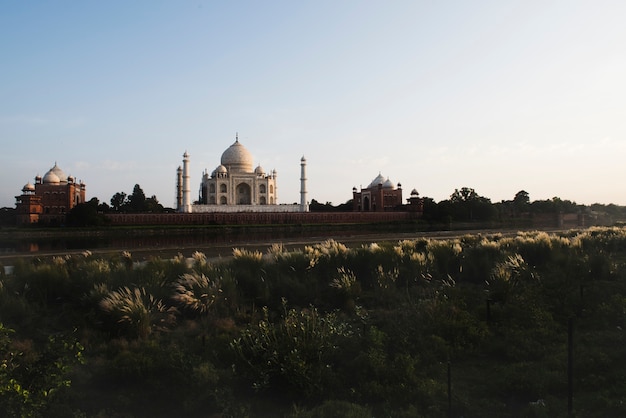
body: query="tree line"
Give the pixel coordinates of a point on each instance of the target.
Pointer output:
(463, 205)
(466, 205)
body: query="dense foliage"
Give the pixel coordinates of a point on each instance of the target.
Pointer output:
(327, 330)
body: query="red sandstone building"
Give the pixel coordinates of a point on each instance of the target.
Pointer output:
(49, 199)
(380, 196)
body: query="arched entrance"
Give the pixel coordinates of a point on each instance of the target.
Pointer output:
(366, 204)
(244, 194)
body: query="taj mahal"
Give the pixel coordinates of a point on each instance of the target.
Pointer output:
(235, 186)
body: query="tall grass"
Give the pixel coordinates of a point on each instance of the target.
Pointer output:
(138, 310)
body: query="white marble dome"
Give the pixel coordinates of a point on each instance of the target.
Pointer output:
(28, 187)
(388, 184)
(51, 178)
(237, 158)
(55, 176)
(59, 172)
(378, 180)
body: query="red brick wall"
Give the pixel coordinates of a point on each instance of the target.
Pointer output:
(252, 218)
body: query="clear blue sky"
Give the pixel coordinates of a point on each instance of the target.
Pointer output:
(497, 95)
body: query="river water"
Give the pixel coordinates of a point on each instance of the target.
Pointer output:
(218, 243)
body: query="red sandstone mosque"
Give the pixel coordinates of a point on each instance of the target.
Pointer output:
(49, 199)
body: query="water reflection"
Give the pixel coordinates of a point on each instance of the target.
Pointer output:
(156, 240)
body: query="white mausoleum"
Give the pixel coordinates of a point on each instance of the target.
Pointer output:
(234, 186)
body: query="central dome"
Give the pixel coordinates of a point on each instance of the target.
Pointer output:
(237, 158)
(55, 176)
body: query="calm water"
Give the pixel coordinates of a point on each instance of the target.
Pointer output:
(163, 243)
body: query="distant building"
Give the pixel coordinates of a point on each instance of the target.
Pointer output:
(234, 186)
(49, 199)
(381, 195)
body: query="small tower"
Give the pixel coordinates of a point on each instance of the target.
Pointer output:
(179, 189)
(304, 206)
(186, 185)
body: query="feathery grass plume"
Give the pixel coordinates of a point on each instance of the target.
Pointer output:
(479, 257)
(609, 239)
(419, 258)
(386, 279)
(277, 251)
(138, 310)
(345, 281)
(326, 250)
(243, 254)
(405, 248)
(197, 293)
(59, 261)
(98, 292)
(127, 259)
(199, 259)
(444, 256)
(249, 271)
(538, 248)
(508, 275)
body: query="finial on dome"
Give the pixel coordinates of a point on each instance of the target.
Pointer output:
(236, 136)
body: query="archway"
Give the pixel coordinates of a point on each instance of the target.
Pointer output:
(244, 194)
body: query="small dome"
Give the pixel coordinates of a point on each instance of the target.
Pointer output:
(414, 192)
(237, 158)
(51, 178)
(28, 187)
(378, 180)
(259, 171)
(388, 184)
(221, 169)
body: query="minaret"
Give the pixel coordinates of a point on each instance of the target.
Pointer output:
(304, 206)
(179, 189)
(186, 185)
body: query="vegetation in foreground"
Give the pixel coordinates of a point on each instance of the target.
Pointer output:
(324, 331)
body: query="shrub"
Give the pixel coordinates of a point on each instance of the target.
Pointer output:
(294, 354)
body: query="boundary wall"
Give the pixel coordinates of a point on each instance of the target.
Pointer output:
(258, 218)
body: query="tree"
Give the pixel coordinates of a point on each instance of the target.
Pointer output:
(86, 214)
(137, 200)
(467, 205)
(7, 216)
(521, 199)
(153, 205)
(117, 201)
(464, 195)
(431, 209)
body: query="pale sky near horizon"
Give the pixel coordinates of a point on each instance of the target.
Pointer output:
(499, 96)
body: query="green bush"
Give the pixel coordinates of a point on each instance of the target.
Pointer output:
(293, 354)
